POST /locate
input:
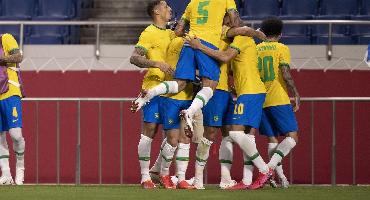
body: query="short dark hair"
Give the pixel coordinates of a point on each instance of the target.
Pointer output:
(151, 5)
(272, 26)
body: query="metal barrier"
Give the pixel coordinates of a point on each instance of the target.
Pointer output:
(98, 24)
(78, 101)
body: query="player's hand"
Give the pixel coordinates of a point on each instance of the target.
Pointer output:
(164, 67)
(260, 35)
(296, 103)
(194, 42)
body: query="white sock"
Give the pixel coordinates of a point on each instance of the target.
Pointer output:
(167, 154)
(247, 170)
(202, 155)
(4, 155)
(282, 150)
(157, 165)
(247, 143)
(226, 158)
(279, 168)
(164, 87)
(200, 100)
(18, 145)
(182, 160)
(144, 147)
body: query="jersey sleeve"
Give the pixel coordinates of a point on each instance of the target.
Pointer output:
(284, 59)
(230, 5)
(145, 41)
(238, 44)
(9, 43)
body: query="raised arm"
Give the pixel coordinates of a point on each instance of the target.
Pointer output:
(139, 59)
(235, 20)
(180, 28)
(245, 31)
(223, 56)
(291, 86)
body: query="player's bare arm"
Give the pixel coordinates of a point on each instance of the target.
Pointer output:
(222, 56)
(235, 20)
(180, 28)
(245, 31)
(15, 56)
(291, 86)
(139, 59)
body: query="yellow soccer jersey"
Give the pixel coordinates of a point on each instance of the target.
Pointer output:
(271, 56)
(244, 66)
(223, 82)
(173, 54)
(154, 41)
(206, 18)
(9, 45)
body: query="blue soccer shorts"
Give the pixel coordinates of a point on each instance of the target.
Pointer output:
(278, 120)
(219, 109)
(151, 112)
(248, 110)
(170, 110)
(10, 113)
(192, 59)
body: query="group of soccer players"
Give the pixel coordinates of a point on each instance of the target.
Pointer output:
(222, 52)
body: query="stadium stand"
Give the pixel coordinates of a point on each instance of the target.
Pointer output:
(256, 9)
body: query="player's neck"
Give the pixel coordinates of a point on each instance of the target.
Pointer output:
(159, 23)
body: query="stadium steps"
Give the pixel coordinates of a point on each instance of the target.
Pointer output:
(114, 10)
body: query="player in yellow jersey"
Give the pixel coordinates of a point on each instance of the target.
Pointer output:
(11, 109)
(150, 52)
(251, 94)
(169, 108)
(205, 18)
(278, 117)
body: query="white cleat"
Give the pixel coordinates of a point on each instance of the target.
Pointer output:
(198, 184)
(174, 180)
(6, 180)
(189, 129)
(19, 176)
(140, 101)
(227, 184)
(273, 183)
(284, 183)
(190, 181)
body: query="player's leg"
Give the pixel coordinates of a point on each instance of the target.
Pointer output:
(248, 112)
(156, 168)
(185, 71)
(168, 152)
(226, 159)
(271, 147)
(209, 70)
(182, 160)
(151, 119)
(285, 123)
(6, 177)
(19, 149)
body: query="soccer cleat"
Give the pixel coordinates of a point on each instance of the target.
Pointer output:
(227, 184)
(166, 182)
(155, 177)
(185, 185)
(261, 180)
(140, 101)
(238, 186)
(148, 184)
(19, 175)
(272, 181)
(198, 184)
(284, 183)
(174, 180)
(6, 180)
(189, 129)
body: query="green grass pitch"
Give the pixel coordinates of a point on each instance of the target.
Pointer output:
(124, 192)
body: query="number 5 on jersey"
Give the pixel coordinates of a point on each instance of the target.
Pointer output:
(203, 12)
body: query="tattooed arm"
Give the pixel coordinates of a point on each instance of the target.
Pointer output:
(180, 28)
(291, 86)
(139, 59)
(15, 56)
(235, 20)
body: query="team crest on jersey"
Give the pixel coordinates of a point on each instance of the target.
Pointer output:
(215, 118)
(156, 115)
(170, 121)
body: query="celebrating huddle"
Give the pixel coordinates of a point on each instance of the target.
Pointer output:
(222, 52)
